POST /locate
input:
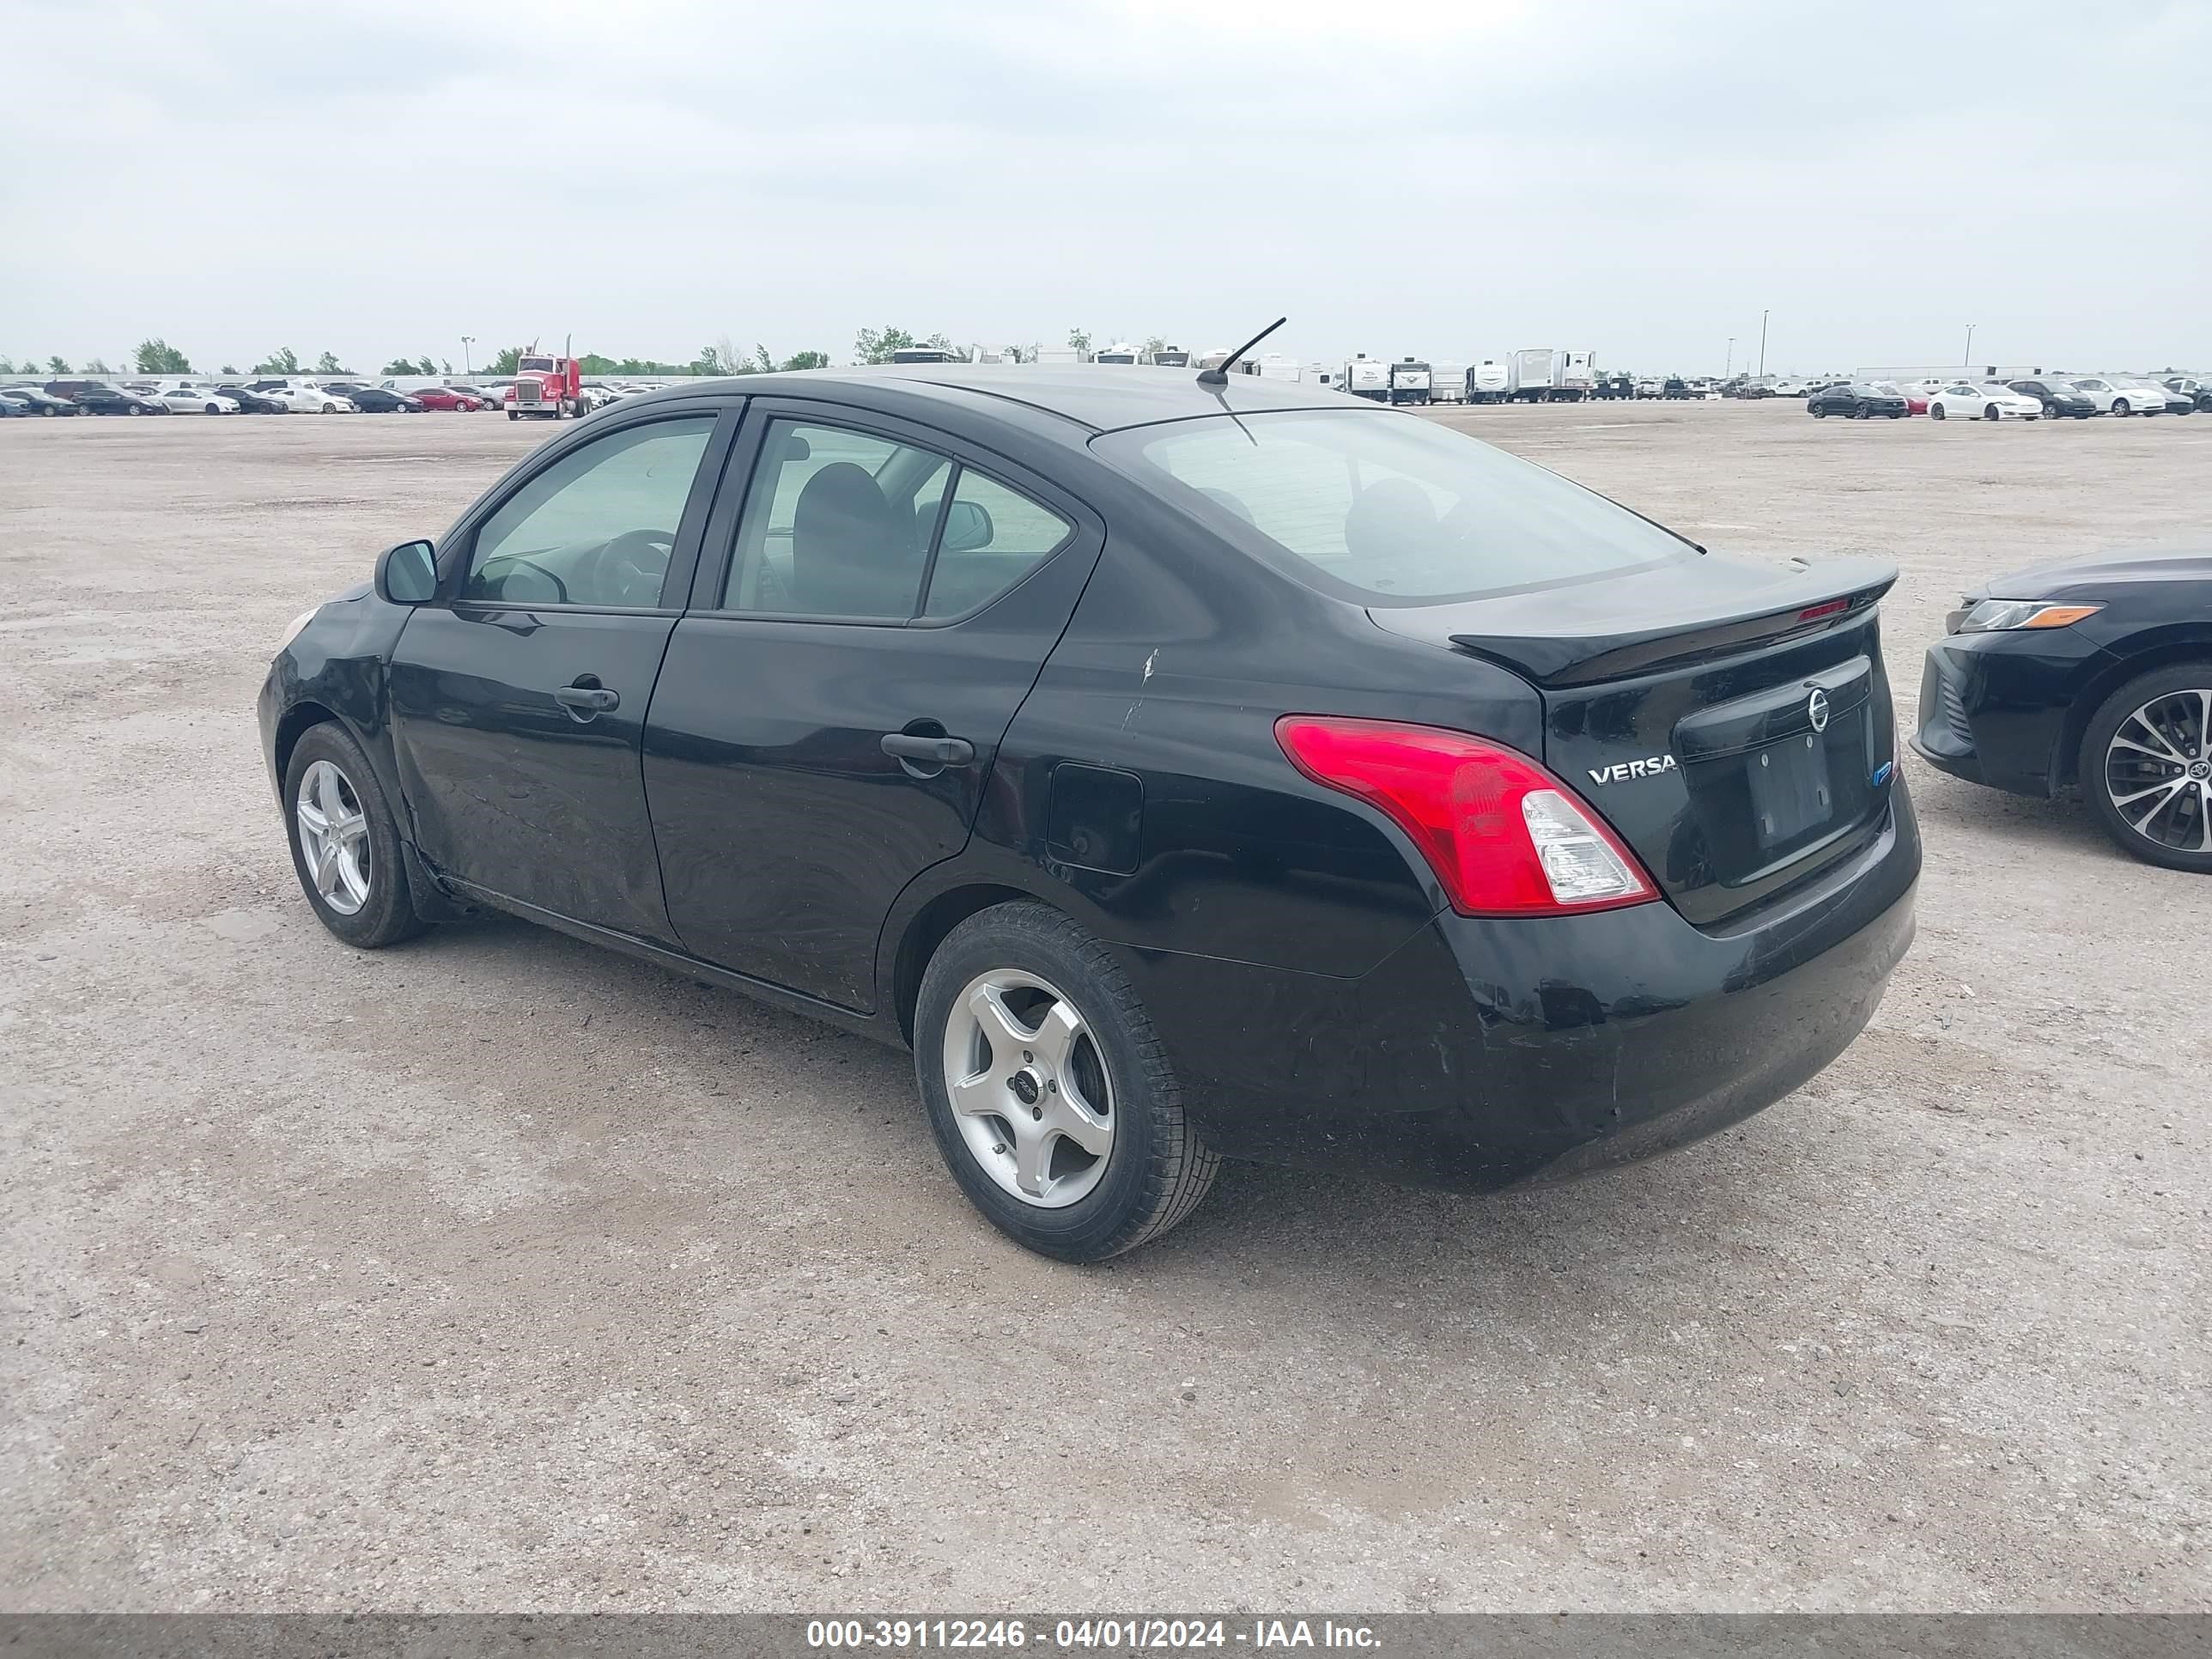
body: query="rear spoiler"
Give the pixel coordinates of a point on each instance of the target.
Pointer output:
(1804, 603)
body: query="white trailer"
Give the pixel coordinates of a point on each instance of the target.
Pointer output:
(1545, 375)
(1447, 382)
(1122, 352)
(1368, 377)
(1409, 381)
(1488, 382)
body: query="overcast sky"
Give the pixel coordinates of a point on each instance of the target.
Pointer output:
(1450, 180)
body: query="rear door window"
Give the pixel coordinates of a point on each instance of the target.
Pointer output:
(993, 537)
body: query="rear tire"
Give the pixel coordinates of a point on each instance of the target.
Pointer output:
(1050, 976)
(2168, 709)
(364, 870)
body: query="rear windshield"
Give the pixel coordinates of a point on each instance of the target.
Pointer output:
(1388, 510)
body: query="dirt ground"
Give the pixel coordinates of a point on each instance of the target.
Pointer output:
(497, 1271)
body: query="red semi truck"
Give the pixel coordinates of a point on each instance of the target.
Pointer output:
(547, 387)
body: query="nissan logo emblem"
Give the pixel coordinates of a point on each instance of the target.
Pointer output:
(1816, 710)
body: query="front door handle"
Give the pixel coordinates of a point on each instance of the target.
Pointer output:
(920, 752)
(583, 702)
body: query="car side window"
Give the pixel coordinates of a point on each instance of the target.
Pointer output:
(993, 537)
(837, 523)
(596, 527)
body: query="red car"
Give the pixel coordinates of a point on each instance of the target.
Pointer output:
(445, 397)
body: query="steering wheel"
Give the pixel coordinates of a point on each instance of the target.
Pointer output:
(635, 560)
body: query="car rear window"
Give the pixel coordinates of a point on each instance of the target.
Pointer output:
(1386, 508)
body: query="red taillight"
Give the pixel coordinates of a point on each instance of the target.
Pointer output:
(1504, 838)
(1826, 608)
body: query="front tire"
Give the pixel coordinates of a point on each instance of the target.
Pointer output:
(2146, 766)
(1936, 412)
(345, 843)
(2121, 406)
(1051, 1096)
(1991, 412)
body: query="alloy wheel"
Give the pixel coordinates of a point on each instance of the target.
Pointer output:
(333, 832)
(2158, 770)
(1028, 1088)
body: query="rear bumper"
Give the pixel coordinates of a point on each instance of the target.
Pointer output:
(1487, 1053)
(1994, 707)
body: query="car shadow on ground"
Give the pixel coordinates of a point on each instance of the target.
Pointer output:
(1947, 805)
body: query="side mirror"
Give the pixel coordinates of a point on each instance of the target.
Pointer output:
(967, 527)
(407, 573)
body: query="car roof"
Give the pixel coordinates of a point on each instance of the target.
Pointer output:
(1096, 399)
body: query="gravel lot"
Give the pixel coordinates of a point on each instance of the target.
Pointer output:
(497, 1271)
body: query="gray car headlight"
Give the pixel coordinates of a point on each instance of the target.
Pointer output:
(1995, 616)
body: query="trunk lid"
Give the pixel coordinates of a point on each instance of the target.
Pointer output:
(1730, 721)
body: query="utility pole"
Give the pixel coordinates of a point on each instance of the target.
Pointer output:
(1967, 360)
(467, 340)
(1762, 345)
(1728, 366)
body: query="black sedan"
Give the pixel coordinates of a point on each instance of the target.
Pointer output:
(2058, 398)
(1859, 401)
(375, 400)
(251, 401)
(2199, 392)
(2093, 675)
(1183, 768)
(30, 400)
(114, 400)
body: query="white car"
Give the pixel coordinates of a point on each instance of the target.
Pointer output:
(2113, 397)
(304, 399)
(1961, 401)
(186, 399)
(2148, 397)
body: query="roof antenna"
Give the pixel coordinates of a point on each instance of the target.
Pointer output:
(1220, 376)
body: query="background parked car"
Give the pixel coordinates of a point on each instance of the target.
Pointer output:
(36, 402)
(2199, 392)
(2094, 674)
(1916, 403)
(2177, 403)
(375, 399)
(253, 403)
(2058, 398)
(304, 399)
(184, 398)
(2113, 398)
(1859, 401)
(446, 397)
(1964, 400)
(97, 398)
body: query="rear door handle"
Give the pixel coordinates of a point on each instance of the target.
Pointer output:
(586, 700)
(910, 748)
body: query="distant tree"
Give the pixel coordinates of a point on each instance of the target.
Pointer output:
(400, 365)
(57, 366)
(97, 366)
(509, 359)
(1079, 338)
(6, 365)
(943, 342)
(328, 363)
(443, 368)
(1155, 345)
(762, 361)
(807, 360)
(875, 345)
(228, 370)
(286, 361)
(158, 356)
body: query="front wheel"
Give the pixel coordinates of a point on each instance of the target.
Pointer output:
(2146, 766)
(1936, 412)
(2120, 406)
(1052, 1097)
(345, 844)
(1991, 412)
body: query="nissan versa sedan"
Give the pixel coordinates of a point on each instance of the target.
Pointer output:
(2093, 675)
(1184, 767)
